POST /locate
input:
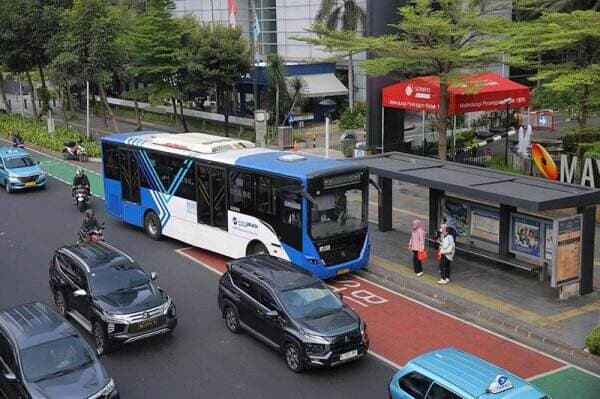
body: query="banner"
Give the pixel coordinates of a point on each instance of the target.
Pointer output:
(526, 236)
(459, 212)
(567, 259)
(485, 224)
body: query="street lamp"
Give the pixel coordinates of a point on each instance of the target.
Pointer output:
(508, 101)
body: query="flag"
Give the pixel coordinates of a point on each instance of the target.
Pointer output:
(256, 31)
(232, 7)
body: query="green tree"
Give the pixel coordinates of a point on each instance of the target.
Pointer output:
(89, 33)
(342, 16)
(154, 45)
(215, 56)
(442, 39)
(276, 76)
(296, 88)
(26, 28)
(568, 44)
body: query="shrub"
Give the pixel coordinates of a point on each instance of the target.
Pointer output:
(354, 119)
(593, 341)
(37, 133)
(498, 163)
(575, 137)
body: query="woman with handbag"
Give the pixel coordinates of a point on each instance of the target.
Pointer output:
(417, 246)
(447, 248)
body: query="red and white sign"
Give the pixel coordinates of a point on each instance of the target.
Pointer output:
(479, 92)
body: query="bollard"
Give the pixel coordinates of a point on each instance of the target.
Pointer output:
(25, 103)
(314, 140)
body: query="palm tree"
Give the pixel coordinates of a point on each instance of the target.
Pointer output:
(344, 15)
(276, 72)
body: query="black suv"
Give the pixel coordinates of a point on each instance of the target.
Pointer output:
(43, 356)
(292, 311)
(109, 294)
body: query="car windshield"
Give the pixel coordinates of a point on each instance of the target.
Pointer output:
(18, 162)
(117, 278)
(311, 301)
(337, 212)
(55, 358)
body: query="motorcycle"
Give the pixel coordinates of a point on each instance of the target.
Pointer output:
(93, 235)
(74, 151)
(81, 197)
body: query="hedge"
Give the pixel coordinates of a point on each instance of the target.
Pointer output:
(575, 137)
(593, 341)
(37, 133)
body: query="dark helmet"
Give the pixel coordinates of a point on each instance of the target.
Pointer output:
(89, 213)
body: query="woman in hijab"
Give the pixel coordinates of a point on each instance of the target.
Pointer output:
(417, 244)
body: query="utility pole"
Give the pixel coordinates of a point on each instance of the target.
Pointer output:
(87, 109)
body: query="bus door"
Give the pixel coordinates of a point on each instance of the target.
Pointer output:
(212, 196)
(130, 188)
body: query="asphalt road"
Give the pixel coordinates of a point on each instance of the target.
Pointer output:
(202, 359)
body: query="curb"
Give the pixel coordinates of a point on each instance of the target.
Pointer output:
(556, 348)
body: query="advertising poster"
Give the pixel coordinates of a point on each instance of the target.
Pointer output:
(566, 263)
(526, 236)
(485, 224)
(457, 211)
(549, 238)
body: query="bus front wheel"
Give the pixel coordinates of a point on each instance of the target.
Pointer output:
(257, 248)
(152, 226)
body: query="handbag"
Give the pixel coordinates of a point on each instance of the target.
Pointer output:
(422, 255)
(438, 256)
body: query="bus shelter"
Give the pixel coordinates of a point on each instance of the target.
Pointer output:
(521, 221)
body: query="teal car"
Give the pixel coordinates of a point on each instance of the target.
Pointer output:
(453, 374)
(19, 171)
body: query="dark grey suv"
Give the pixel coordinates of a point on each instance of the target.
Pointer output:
(292, 311)
(109, 295)
(43, 356)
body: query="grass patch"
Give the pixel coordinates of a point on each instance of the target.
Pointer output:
(498, 162)
(34, 132)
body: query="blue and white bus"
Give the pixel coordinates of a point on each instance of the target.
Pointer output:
(226, 196)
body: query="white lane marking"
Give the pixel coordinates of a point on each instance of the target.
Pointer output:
(479, 327)
(547, 373)
(376, 355)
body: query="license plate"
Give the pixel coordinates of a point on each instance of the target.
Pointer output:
(349, 355)
(146, 324)
(342, 271)
(30, 184)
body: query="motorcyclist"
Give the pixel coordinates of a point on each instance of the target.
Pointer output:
(17, 139)
(80, 180)
(90, 223)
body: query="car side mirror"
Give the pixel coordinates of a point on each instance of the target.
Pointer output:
(79, 293)
(271, 314)
(153, 276)
(9, 376)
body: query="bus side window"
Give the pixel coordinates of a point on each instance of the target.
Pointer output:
(110, 159)
(291, 212)
(241, 192)
(267, 195)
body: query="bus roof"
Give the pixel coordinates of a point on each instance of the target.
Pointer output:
(232, 151)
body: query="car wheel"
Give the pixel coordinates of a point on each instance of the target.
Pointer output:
(293, 357)
(83, 157)
(152, 226)
(7, 187)
(232, 321)
(61, 304)
(257, 249)
(101, 340)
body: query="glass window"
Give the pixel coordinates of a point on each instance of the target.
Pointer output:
(292, 212)
(415, 384)
(267, 195)
(268, 13)
(6, 354)
(50, 359)
(311, 301)
(18, 162)
(187, 188)
(337, 212)
(166, 168)
(266, 299)
(249, 288)
(240, 192)
(439, 392)
(117, 278)
(110, 161)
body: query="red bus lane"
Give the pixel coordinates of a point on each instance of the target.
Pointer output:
(401, 329)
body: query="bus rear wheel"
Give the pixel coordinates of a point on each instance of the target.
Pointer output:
(257, 248)
(152, 226)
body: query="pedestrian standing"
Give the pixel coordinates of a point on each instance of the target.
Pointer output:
(416, 245)
(447, 248)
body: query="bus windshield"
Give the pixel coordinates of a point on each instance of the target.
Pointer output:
(337, 211)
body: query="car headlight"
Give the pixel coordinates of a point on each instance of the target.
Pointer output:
(13, 179)
(316, 349)
(166, 306)
(109, 387)
(363, 328)
(315, 339)
(110, 317)
(42, 176)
